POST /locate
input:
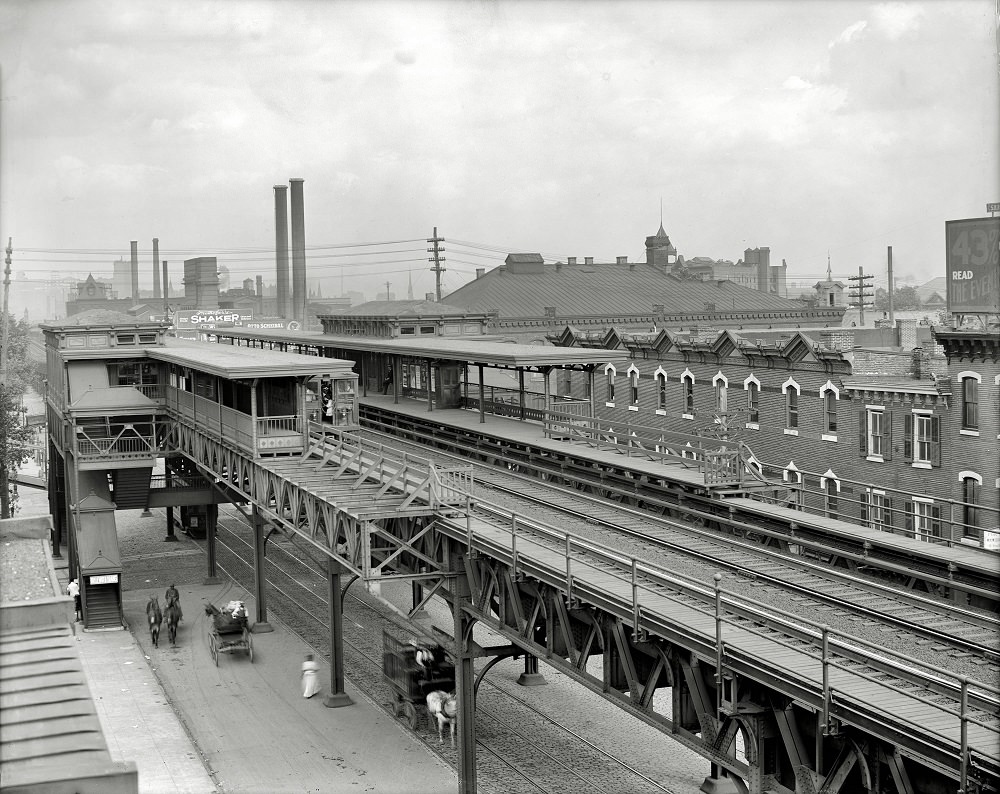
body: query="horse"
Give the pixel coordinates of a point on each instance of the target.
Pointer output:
(155, 619)
(173, 617)
(173, 597)
(443, 707)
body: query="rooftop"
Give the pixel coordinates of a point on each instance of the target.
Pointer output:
(607, 289)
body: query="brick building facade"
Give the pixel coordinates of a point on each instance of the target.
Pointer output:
(900, 439)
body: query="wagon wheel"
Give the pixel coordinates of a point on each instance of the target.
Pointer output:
(214, 648)
(410, 714)
(250, 646)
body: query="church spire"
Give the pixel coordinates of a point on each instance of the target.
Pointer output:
(828, 276)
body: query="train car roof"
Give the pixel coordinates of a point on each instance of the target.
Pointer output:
(473, 351)
(230, 362)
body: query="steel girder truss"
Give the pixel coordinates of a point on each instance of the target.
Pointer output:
(370, 513)
(784, 747)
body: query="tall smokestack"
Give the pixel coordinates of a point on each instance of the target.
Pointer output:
(281, 246)
(260, 296)
(298, 254)
(156, 270)
(135, 271)
(166, 292)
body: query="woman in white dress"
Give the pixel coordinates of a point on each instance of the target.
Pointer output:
(310, 676)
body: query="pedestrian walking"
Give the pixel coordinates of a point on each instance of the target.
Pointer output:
(73, 589)
(387, 381)
(310, 676)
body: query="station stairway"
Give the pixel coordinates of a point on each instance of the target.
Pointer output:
(103, 609)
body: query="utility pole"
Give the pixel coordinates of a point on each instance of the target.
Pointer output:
(6, 303)
(4, 475)
(437, 259)
(387, 291)
(861, 292)
(892, 289)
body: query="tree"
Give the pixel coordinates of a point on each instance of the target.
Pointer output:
(15, 436)
(904, 298)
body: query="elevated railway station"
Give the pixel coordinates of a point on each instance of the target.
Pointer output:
(704, 477)
(770, 704)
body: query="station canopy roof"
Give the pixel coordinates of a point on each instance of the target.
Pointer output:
(469, 350)
(231, 362)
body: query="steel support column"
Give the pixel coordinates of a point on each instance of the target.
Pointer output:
(260, 582)
(482, 397)
(531, 676)
(520, 393)
(430, 393)
(211, 519)
(465, 680)
(337, 697)
(168, 476)
(56, 497)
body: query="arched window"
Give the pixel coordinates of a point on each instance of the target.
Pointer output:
(972, 484)
(791, 390)
(661, 391)
(633, 382)
(831, 488)
(752, 386)
(830, 396)
(687, 386)
(721, 384)
(609, 375)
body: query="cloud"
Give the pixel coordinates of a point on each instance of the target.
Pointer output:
(849, 33)
(895, 20)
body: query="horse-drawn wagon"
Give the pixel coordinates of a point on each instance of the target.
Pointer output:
(413, 668)
(229, 630)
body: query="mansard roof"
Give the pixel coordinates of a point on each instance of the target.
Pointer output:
(607, 289)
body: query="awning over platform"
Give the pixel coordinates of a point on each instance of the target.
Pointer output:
(471, 350)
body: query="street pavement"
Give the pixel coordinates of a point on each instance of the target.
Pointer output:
(196, 728)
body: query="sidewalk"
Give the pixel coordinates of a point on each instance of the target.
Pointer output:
(192, 727)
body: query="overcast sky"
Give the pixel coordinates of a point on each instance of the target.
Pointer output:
(558, 127)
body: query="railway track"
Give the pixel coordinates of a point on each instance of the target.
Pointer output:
(645, 492)
(521, 748)
(963, 640)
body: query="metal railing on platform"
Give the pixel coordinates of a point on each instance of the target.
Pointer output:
(721, 462)
(439, 487)
(831, 649)
(948, 522)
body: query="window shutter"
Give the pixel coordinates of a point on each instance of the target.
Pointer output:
(887, 513)
(908, 436)
(863, 431)
(935, 441)
(887, 436)
(908, 516)
(864, 507)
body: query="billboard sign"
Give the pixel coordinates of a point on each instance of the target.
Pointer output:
(973, 265)
(186, 319)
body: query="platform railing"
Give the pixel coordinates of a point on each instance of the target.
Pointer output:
(418, 477)
(884, 508)
(123, 446)
(830, 648)
(721, 462)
